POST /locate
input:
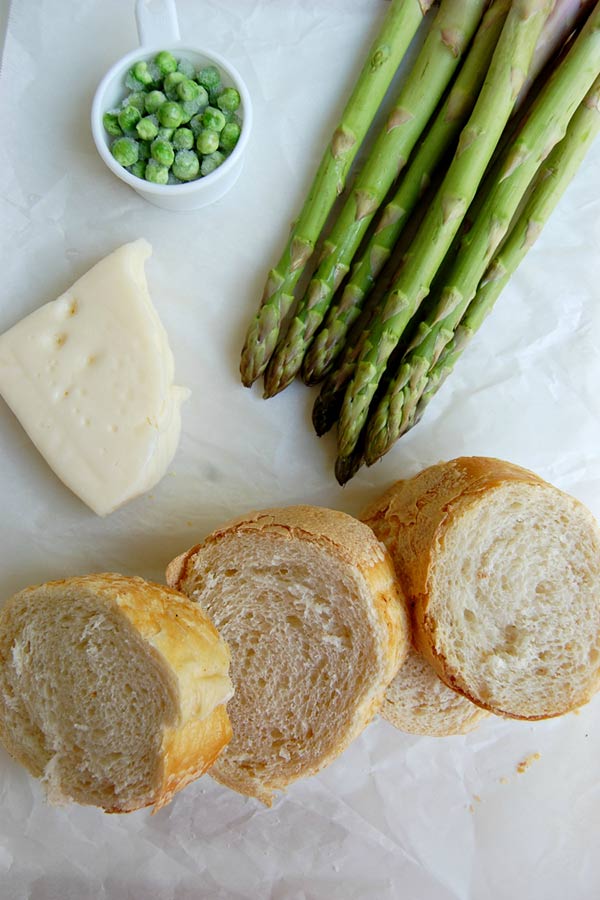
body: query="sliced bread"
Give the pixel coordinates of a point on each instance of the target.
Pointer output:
(309, 604)
(417, 701)
(502, 571)
(112, 690)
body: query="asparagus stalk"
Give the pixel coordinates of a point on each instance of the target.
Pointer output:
(449, 35)
(550, 183)
(385, 55)
(442, 135)
(476, 145)
(545, 126)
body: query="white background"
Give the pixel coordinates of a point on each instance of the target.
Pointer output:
(396, 816)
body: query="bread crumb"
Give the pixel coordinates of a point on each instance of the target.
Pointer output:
(471, 808)
(503, 780)
(525, 763)
(477, 798)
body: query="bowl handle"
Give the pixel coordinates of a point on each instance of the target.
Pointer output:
(157, 22)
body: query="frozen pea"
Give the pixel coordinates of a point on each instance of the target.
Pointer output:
(155, 73)
(129, 117)
(110, 120)
(213, 118)
(188, 89)
(186, 165)
(140, 71)
(212, 162)
(183, 139)
(207, 141)
(125, 150)
(170, 114)
(162, 152)
(170, 84)
(173, 179)
(165, 134)
(165, 62)
(147, 128)
(153, 100)
(228, 100)
(136, 99)
(138, 168)
(229, 137)
(186, 68)
(209, 77)
(156, 173)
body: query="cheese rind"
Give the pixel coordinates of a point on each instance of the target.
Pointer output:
(90, 378)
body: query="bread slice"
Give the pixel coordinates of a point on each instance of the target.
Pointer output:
(112, 690)
(503, 572)
(417, 701)
(308, 601)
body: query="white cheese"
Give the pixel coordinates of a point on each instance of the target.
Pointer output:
(90, 378)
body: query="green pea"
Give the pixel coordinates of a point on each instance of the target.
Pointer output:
(187, 68)
(147, 128)
(170, 114)
(166, 62)
(110, 120)
(125, 150)
(229, 100)
(138, 168)
(212, 162)
(183, 139)
(229, 137)
(186, 165)
(140, 71)
(153, 100)
(136, 99)
(129, 117)
(213, 118)
(165, 134)
(188, 89)
(209, 77)
(207, 142)
(162, 152)
(156, 173)
(170, 84)
(214, 94)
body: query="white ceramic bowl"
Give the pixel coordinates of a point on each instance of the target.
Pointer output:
(111, 91)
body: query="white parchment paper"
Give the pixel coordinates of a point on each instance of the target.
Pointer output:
(396, 816)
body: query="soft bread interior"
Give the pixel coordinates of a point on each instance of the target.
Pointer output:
(514, 611)
(84, 700)
(306, 653)
(418, 701)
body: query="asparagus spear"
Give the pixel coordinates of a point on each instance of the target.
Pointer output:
(476, 145)
(550, 183)
(385, 55)
(544, 127)
(442, 135)
(449, 35)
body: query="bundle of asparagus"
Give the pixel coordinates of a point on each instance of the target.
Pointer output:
(489, 169)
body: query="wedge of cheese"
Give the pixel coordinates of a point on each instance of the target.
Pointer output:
(90, 378)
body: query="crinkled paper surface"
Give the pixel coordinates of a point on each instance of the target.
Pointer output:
(396, 816)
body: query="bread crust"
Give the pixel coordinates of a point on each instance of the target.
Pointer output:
(415, 514)
(356, 546)
(182, 638)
